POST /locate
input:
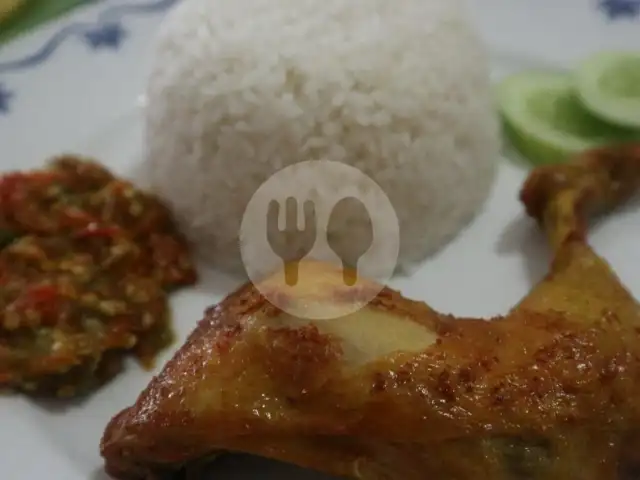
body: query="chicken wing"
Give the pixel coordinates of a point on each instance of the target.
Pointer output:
(398, 391)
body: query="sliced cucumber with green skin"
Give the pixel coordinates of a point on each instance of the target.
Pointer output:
(546, 122)
(609, 86)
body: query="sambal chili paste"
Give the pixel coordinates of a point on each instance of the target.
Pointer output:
(86, 264)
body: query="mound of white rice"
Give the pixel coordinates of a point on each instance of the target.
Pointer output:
(396, 88)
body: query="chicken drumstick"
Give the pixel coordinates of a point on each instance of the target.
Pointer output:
(397, 391)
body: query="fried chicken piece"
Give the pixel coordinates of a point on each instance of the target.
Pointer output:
(398, 391)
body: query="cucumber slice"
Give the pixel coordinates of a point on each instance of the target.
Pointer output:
(609, 86)
(546, 122)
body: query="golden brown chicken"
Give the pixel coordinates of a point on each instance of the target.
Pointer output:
(398, 391)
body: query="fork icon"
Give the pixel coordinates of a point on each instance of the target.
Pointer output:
(292, 243)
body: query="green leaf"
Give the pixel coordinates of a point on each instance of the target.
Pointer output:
(33, 14)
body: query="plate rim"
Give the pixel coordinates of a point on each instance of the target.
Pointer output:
(17, 58)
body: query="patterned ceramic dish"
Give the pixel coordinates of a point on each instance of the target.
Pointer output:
(75, 85)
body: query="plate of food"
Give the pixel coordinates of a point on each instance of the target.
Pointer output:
(406, 252)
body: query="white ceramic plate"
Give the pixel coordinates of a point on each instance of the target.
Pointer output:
(75, 86)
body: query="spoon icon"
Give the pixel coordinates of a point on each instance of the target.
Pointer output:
(350, 250)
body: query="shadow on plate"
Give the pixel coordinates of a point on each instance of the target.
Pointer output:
(244, 467)
(217, 283)
(241, 467)
(99, 474)
(522, 235)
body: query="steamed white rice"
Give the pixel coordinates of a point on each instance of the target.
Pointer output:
(396, 88)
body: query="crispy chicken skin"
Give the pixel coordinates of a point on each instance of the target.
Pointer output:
(551, 391)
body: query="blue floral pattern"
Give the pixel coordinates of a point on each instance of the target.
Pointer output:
(5, 99)
(109, 36)
(617, 9)
(107, 33)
